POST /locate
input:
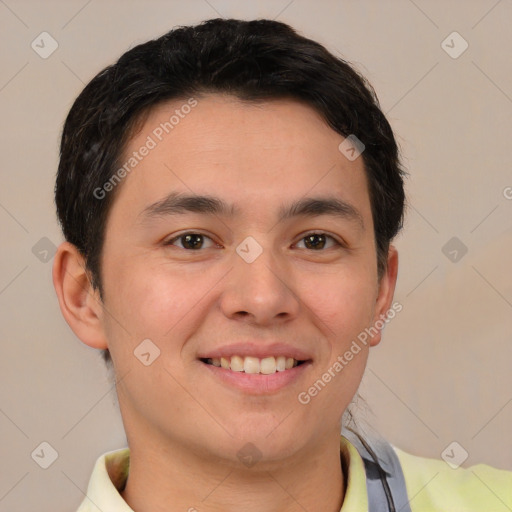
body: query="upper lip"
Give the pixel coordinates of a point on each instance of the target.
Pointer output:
(255, 349)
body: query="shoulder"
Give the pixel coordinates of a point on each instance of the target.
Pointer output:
(433, 485)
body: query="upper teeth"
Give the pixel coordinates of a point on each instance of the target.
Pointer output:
(248, 364)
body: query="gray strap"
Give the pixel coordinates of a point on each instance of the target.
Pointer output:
(385, 481)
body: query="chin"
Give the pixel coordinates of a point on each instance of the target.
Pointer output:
(271, 444)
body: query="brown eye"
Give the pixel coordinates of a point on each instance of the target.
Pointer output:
(190, 241)
(317, 241)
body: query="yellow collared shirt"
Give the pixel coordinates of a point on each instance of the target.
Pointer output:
(432, 485)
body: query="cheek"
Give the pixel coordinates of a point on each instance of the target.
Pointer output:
(344, 302)
(145, 302)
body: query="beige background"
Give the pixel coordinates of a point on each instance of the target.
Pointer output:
(442, 372)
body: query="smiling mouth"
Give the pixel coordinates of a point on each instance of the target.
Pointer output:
(254, 365)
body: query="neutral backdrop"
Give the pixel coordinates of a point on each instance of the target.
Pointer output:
(442, 373)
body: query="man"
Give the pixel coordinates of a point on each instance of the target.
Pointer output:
(229, 193)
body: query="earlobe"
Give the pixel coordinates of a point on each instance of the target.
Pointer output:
(79, 302)
(385, 296)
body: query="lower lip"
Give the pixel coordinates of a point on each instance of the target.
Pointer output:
(257, 383)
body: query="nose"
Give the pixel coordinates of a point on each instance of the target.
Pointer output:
(261, 292)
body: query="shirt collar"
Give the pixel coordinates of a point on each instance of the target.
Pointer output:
(111, 471)
(107, 480)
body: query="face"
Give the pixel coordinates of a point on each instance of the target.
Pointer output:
(251, 277)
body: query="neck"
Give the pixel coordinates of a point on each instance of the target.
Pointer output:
(174, 479)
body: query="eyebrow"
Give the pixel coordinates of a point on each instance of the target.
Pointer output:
(177, 203)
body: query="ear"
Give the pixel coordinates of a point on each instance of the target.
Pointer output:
(80, 304)
(385, 295)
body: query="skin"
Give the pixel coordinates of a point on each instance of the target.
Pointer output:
(185, 426)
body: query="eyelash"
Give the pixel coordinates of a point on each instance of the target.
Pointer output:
(171, 241)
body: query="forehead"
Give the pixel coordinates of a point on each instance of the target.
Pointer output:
(243, 151)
